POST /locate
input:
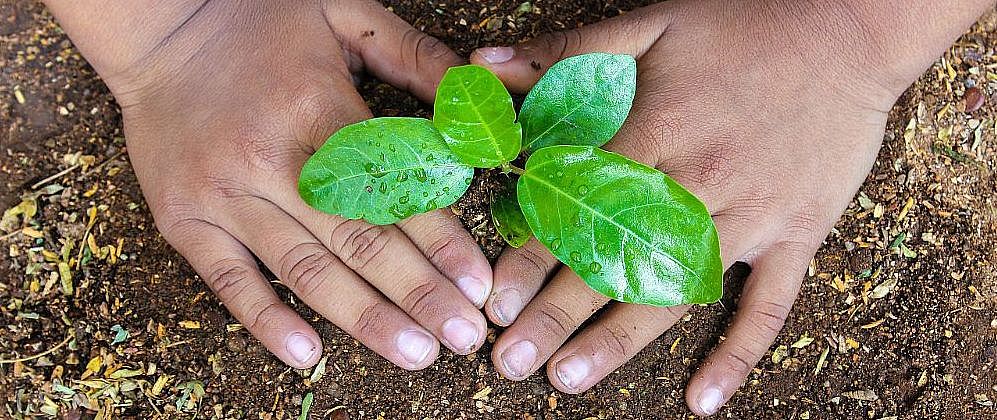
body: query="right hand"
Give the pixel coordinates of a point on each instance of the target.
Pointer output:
(223, 105)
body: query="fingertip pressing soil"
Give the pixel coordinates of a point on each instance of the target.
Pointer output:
(883, 326)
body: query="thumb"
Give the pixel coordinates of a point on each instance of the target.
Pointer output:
(520, 66)
(390, 48)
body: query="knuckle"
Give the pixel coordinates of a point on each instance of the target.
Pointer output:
(419, 300)
(712, 164)
(555, 320)
(259, 313)
(265, 150)
(423, 47)
(530, 263)
(443, 249)
(306, 267)
(767, 318)
(740, 359)
(372, 321)
(563, 44)
(802, 227)
(360, 243)
(615, 340)
(229, 278)
(226, 188)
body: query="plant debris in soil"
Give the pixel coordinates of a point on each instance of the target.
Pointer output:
(102, 319)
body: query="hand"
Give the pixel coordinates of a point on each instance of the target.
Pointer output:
(221, 109)
(771, 115)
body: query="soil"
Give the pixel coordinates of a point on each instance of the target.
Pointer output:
(899, 327)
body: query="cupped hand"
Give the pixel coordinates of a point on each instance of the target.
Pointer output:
(773, 123)
(222, 108)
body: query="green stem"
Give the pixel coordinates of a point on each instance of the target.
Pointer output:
(508, 167)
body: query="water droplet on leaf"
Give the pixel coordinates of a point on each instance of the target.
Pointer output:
(595, 267)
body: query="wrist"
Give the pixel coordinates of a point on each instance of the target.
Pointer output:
(116, 35)
(884, 44)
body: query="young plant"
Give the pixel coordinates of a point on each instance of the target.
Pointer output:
(628, 230)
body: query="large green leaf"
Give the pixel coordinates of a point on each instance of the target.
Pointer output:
(383, 170)
(581, 100)
(508, 217)
(474, 113)
(628, 230)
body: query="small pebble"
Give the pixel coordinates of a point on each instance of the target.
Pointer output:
(974, 99)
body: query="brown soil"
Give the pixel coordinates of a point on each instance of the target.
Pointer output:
(925, 347)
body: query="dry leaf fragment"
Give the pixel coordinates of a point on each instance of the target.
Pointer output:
(482, 394)
(190, 325)
(861, 395)
(804, 341)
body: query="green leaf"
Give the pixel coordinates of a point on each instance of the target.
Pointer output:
(474, 113)
(581, 100)
(120, 334)
(306, 406)
(631, 232)
(383, 170)
(509, 219)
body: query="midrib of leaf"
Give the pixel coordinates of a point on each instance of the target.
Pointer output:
(587, 101)
(395, 170)
(625, 229)
(474, 107)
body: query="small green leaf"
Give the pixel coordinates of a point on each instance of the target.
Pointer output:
(474, 113)
(306, 406)
(120, 334)
(581, 100)
(631, 232)
(509, 219)
(383, 170)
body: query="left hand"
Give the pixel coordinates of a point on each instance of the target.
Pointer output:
(774, 128)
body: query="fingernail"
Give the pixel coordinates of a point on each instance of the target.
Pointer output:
(414, 346)
(572, 371)
(519, 358)
(300, 347)
(507, 305)
(710, 400)
(474, 289)
(460, 334)
(496, 55)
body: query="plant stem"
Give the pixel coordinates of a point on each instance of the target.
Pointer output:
(508, 167)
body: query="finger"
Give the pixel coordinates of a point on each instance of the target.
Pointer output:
(388, 261)
(390, 48)
(545, 324)
(519, 275)
(230, 271)
(608, 343)
(521, 65)
(443, 239)
(765, 303)
(326, 285)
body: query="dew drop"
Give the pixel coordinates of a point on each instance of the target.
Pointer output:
(595, 267)
(402, 176)
(383, 158)
(446, 189)
(555, 244)
(420, 174)
(383, 188)
(403, 199)
(601, 247)
(467, 181)
(583, 189)
(576, 256)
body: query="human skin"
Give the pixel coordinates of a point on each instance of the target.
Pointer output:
(223, 101)
(772, 112)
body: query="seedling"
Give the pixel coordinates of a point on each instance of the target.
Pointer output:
(628, 230)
